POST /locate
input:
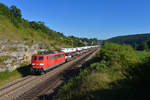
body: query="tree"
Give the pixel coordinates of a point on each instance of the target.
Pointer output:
(15, 12)
(143, 46)
(4, 10)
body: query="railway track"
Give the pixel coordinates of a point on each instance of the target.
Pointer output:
(45, 88)
(32, 87)
(16, 87)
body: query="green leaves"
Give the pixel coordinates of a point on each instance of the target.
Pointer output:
(15, 12)
(100, 66)
(120, 54)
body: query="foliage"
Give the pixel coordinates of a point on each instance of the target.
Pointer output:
(130, 39)
(40, 26)
(38, 30)
(138, 75)
(143, 46)
(4, 10)
(115, 73)
(83, 41)
(15, 12)
(91, 82)
(101, 66)
(118, 54)
(138, 41)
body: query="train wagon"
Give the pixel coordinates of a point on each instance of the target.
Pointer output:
(47, 60)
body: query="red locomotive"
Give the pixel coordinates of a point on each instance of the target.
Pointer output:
(44, 61)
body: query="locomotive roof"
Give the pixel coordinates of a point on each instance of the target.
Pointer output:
(49, 52)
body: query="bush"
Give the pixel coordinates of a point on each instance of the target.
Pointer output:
(100, 66)
(138, 75)
(118, 54)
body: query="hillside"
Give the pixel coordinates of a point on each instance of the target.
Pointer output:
(20, 38)
(13, 26)
(132, 40)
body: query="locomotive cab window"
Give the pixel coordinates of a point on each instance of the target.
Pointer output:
(40, 58)
(34, 58)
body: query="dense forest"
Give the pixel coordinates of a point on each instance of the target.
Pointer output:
(138, 41)
(12, 23)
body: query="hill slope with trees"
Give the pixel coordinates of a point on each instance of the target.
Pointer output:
(13, 26)
(138, 41)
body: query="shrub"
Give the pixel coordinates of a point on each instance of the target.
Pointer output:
(139, 76)
(118, 54)
(100, 66)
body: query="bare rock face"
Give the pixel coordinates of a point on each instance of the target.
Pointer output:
(13, 54)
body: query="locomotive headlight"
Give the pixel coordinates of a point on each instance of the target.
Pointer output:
(33, 63)
(41, 64)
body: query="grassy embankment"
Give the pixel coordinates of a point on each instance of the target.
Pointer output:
(22, 71)
(29, 35)
(116, 72)
(6, 77)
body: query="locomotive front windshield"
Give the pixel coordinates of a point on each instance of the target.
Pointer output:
(40, 58)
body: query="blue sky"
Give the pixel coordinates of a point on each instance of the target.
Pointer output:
(88, 18)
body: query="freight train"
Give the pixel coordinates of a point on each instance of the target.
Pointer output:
(46, 60)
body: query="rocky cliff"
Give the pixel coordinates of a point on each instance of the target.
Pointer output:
(13, 53)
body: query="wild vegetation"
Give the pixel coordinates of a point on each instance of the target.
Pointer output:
(138, 41)
(116, 72)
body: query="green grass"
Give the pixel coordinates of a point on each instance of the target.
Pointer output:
(142, 54)
(22, 71)
(6, 77)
